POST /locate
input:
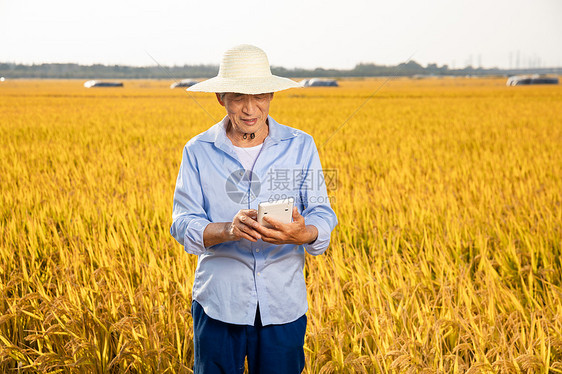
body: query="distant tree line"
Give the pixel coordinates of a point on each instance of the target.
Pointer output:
(98, 71)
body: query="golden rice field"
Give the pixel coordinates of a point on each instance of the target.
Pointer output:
(447, 257)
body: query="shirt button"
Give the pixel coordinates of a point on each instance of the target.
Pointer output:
(259, 274)
(257, 250)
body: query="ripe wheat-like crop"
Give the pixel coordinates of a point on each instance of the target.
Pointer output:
(446, 259)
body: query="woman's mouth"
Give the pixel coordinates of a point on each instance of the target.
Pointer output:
(250, 122)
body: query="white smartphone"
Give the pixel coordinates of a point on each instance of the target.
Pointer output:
(281, 210)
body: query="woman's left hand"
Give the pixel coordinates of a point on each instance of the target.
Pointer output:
(296, 232)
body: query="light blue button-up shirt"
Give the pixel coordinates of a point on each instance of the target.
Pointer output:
(212, 186)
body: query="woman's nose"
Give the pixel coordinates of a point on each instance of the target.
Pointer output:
(249, 105)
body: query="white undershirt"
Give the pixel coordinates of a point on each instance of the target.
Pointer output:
(248, 156)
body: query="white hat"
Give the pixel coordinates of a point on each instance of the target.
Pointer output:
(244, 69)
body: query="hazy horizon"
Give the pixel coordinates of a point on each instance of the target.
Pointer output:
(503, 34)
(153, 65)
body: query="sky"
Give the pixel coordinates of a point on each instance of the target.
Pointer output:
(293, 33)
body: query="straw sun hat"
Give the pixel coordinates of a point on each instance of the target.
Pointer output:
(244, 69)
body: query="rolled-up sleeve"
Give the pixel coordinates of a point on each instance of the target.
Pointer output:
(189, 218)
(317, 209)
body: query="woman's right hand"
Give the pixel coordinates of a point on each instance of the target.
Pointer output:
(242, 225)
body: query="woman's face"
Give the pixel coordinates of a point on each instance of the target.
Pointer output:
(247, 113)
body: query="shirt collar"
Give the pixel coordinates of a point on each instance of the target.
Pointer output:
(217, 133)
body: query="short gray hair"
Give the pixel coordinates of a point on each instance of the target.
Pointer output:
(223, 94)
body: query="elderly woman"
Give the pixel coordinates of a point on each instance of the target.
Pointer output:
(249, 293)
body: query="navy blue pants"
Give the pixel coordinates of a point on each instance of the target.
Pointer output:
(222, 347)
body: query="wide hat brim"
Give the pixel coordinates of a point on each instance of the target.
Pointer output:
(248, 86)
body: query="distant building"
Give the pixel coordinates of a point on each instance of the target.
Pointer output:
(317, 82)
(183, 83)
(94, 83)
(519, 80)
